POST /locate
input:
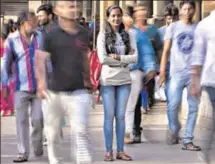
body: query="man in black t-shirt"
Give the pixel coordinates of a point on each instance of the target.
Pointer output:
(69, 87)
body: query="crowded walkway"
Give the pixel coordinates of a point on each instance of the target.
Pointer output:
(146, 87)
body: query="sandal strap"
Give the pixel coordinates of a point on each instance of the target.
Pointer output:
(122, 155)
(20, 159)
(108, 157)
(192, 146)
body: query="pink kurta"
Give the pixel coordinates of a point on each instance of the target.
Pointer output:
(7, 107)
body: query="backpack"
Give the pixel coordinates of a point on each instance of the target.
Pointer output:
(95, 69)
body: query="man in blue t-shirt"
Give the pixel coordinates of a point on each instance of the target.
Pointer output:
(140, 14)
(144, 68)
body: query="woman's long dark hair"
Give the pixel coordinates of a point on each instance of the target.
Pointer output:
(7, 29)
(110, 36)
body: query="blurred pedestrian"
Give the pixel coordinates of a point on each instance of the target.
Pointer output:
(203, 77)
(138, 71)
(141, 15)
(7, 106)
(152, 32)
(69, 88)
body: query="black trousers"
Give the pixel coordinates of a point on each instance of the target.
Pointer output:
(137, 118)
(151, 90)
(138, 115)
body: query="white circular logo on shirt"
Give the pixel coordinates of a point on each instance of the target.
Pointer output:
(185, 42)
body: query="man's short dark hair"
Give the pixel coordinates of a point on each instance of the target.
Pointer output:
(23, 17)
(82, 18)
(129, 10)
(47, 8)
(171, 10)
(191, 2)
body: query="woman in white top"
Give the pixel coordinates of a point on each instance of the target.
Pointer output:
(116, 49)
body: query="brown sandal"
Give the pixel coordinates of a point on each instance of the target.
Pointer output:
(124, 157)
(108, 157)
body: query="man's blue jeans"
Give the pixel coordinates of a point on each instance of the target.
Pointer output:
(167, 88)
(177, 84)
(167, 82)
(115, 100)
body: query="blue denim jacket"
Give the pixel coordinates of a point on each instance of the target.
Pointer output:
(146, 55)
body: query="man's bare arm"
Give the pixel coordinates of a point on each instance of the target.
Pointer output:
(40, 67)
(165, 56)
(195, 75)
(164, 59)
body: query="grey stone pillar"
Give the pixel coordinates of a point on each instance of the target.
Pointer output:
(34, 5)
(158, 9)
(177, 3)
(87, 10)
(129, 3)
(103, 6)
(84, 9)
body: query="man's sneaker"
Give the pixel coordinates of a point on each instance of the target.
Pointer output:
(171, 139)
(137, 138)
(143, 137)
(83, 158)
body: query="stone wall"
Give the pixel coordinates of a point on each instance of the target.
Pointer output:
(34, 5)
(207, 7)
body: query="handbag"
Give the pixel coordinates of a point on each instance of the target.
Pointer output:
(95, 69)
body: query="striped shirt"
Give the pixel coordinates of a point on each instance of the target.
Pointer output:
(18, 51)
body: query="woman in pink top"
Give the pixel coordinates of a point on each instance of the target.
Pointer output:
(6, 107)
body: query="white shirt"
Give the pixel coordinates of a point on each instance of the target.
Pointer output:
(204, 50)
